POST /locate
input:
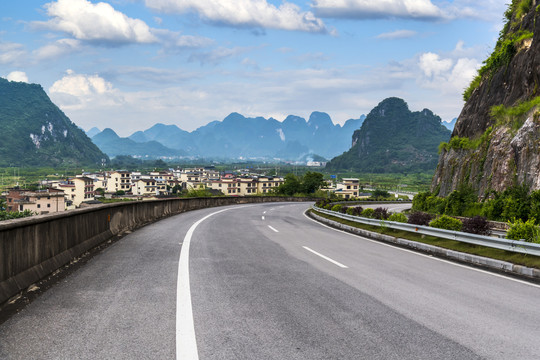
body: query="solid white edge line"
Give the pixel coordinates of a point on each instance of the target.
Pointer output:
(271, 228)
(428, 256)
(326, 258)
(186, 343)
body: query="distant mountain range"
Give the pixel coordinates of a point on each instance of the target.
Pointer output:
(393, 139)
(450, 125)
(35, 132)
(237, 137)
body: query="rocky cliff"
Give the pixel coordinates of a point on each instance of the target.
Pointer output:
(496, 141)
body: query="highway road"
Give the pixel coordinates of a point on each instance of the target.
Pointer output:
(265, 282)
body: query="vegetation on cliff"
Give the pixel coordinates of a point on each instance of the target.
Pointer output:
(495, 144)
(36, 132)
(510, 39)
(394, 139)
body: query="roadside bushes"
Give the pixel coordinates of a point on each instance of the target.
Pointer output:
(527, 230)
(446, 222)
(322, 203)
(368, 213)
(354, 210)
(419, 218)
(398, 217)
(381, 213)
(476, 225)
(515, 202)
(8, 215)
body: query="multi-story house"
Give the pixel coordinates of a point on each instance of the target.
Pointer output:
(119, 181)
(38, 201)
(248, 186)
(245, 186)
(77, 190)
(146, 186)
(267, 184)
(100, 180)
(348, 188)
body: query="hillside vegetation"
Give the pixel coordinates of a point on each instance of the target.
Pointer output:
(393, 139)
(36, 132)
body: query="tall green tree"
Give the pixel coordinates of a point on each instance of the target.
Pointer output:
(290, 186)
(311, 182)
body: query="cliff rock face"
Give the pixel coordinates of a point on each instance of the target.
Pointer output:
(394, 139)
(496, 141)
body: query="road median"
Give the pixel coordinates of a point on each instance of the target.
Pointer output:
(525, 266)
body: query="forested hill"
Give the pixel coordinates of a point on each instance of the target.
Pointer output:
(35, 132)
(393, 139)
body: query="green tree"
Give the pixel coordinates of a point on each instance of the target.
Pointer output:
(311, 182)
(290, 186)
(380, 194)
(516, 203)
(459, 200)
(160, 165)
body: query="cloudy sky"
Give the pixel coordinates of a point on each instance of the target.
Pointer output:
(128, 64)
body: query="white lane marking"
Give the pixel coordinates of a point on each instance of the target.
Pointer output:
(271, 228)
(263, 217)
(326, 258)
(429, 256)
(186, 343)
(264, 212)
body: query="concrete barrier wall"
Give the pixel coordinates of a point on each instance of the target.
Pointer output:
(32, 248)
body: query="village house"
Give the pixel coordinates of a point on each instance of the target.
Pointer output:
(349, 188)
(147, 186)
(77, 190)
(266, 184)
(119, 181)
(38, 201)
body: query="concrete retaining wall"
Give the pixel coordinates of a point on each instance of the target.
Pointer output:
(32, 248)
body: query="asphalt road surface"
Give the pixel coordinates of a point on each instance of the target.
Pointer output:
(265, 282)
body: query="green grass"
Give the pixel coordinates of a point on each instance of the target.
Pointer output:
(465, 143)
(513, 116)
(515, 258)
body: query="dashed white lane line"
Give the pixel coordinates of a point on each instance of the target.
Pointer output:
(326, 258)
(263, 217)
(186, 343)
(428, 256)
(271, 228)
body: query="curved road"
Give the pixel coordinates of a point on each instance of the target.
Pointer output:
(268, 283)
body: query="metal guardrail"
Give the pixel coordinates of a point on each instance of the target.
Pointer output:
(487, 241)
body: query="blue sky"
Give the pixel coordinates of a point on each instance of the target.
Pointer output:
(128, 64)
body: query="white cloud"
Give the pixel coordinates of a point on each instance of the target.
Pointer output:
(368, 9)
(488, 10)
(398, 34)
(11, 53)
(450, 73)
(18, 76)
(175, 41)
(95, 22)
(245, 13)
(78, 91)
(433, 66)
(57, 49)
(217, 56)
